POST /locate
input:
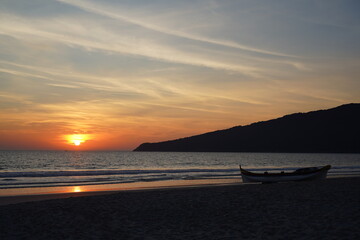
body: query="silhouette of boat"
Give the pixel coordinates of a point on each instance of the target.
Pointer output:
(301, 174)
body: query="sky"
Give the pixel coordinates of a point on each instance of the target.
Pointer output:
(112, 74)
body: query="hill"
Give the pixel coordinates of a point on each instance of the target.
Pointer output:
(334, 130)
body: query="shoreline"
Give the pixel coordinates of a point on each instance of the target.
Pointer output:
(21, 195)
(326, 209)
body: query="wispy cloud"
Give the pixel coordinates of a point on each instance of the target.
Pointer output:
(106, 11)
(97, 38)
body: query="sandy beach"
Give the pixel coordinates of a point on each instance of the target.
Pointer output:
(327, 209)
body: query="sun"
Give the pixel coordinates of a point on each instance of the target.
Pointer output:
(76, 139)
(77, 142)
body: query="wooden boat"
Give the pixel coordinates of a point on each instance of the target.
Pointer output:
(302, 174)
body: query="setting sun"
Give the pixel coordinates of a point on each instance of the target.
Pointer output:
(77, 139)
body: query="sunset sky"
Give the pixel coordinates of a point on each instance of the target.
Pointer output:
(111, 74)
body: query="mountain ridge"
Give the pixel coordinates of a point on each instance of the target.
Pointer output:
(332, 130)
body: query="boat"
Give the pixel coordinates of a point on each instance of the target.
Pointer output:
(301, 174)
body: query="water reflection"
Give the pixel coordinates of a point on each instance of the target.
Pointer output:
(77, 189)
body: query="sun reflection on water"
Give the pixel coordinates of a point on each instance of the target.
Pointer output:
(76, 189)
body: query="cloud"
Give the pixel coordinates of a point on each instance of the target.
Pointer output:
(141, 38)
(108, 12)
(98, 39)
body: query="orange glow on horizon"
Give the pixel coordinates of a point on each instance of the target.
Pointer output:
(84, 138)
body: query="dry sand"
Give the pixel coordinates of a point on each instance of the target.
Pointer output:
(328, 209)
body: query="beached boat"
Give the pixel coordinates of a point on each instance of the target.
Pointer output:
(302, 174)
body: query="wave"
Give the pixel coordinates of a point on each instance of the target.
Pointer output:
(105, 172)
(26, 179)
(156, 172)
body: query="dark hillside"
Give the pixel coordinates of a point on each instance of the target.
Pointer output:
(334, 130)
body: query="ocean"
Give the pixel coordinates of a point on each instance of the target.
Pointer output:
(41, 169)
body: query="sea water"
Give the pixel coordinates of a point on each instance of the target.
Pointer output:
(40, 169)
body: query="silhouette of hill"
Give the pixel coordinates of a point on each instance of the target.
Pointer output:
(334, 130)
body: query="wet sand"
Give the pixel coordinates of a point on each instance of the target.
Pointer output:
(327, 209)
(19, 195)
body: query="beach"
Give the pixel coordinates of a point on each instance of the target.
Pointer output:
(327, 209)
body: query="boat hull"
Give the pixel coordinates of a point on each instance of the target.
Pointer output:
(319, 173)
